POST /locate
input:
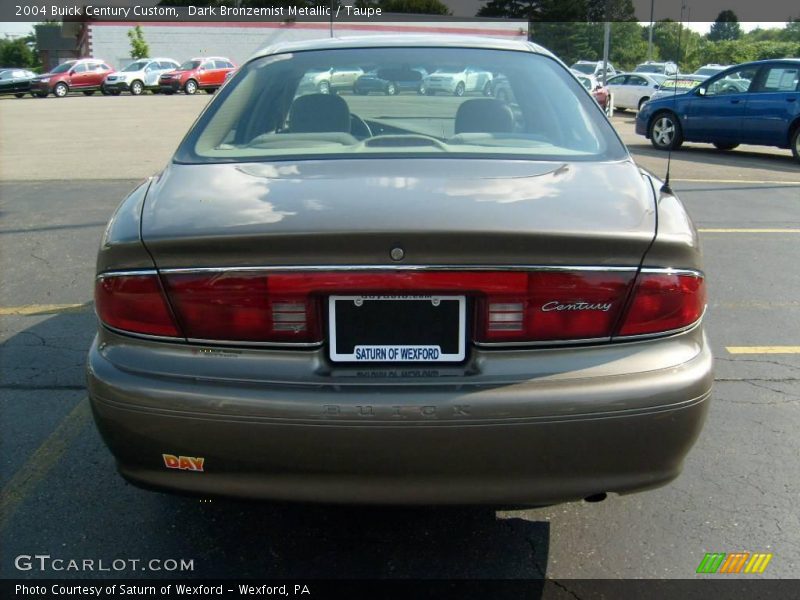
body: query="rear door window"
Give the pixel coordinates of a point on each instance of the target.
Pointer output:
(782, 78)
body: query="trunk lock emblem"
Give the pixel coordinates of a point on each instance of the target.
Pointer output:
(397, 253)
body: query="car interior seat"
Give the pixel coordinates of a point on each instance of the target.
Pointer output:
(319, 113)
(484, 115)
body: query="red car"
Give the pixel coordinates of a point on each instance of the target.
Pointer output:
(85, 75)
(597, 89)
(206, 73)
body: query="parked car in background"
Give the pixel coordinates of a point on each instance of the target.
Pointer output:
(632, 90)
(678, 84)
(15, 81)
(203, 73)
(139, 76)
(726, 112)
(597, 90)
(391, 81)
(657, 68)
(707, 71)
(594, 67)
(85, 75)
(458, 80)
(438, 302)
(330, 80)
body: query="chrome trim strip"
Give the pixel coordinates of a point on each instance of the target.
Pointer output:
(660, 334)
(672, 271)
(394, 267)
(288, 345)
(144, 336)
(546, 343)
(125, 273)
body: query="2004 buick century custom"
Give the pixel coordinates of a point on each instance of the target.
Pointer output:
(401, 299)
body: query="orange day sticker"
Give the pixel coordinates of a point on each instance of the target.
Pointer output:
(184, 463)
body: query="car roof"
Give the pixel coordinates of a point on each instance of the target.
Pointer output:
(402, 41)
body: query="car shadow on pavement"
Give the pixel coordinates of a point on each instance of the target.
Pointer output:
(742, 159)
(80, 506)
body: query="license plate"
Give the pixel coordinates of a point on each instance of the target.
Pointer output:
(412, 329)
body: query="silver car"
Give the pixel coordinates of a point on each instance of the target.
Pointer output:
(139, 76)
(401, 299)
(632, 90)
(458, 80)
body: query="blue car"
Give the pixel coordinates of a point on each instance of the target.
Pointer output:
(753, 103)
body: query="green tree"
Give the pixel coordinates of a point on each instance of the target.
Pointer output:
(725, 27)
(511, 9)
(16, 53)
(139, 48)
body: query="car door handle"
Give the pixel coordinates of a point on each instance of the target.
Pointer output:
(735, 101)
(791, 99)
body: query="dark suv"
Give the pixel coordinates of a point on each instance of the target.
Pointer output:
(85, 75)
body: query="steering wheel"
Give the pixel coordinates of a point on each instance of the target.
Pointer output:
(359, 128)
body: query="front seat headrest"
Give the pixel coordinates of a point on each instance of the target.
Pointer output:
(318, 113)
(484, 115)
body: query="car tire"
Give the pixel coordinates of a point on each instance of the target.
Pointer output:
(60, 90)
(114, 92)
(421, 89)
(103, 90)
(665, 131)
(190, 87)
(391, 89)
(459, 91)
(642, 101)
(137, 88)
(88, 92)
(168, 92)
(40, 94)
(487, 89)
(796, 143)
(324, 87)
(20, 95)
(724, 145)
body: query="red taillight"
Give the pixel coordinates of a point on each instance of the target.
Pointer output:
(511, 306)
(555, 306)
(134, 303)
(664, 302)
(243, 307)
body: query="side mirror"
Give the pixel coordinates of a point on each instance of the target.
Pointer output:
(701, 91)
(656, 86)
(71, 72)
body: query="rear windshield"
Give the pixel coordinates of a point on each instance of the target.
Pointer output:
(709, 71)
(272, 109)
(189, 65)
(589, 69)
(649, 69)
(63, 67)
(137, 66)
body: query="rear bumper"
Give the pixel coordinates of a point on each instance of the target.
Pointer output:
(483, 438)
(173, 85)
(116, 85)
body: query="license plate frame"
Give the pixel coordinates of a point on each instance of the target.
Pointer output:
(402, 353)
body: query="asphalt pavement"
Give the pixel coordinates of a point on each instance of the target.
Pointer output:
(66, 164)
